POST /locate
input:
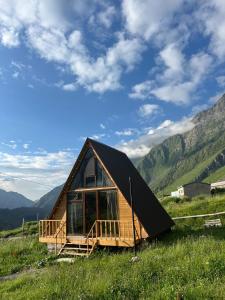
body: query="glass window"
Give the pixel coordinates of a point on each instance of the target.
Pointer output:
(108, 206)
(102, 178)
(90, 181)
(90, 173)
(90, 210)
(74, 213)
(74, 196)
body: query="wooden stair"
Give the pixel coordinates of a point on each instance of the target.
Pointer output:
(71, 249)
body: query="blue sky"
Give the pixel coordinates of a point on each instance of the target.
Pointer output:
(128, 73)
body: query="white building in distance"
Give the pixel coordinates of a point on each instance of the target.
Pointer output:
(192, 189)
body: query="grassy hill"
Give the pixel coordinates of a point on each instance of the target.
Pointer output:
(193, 156)
(12, 218)
(189, 261)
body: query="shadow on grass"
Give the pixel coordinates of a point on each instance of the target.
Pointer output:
(172, 237)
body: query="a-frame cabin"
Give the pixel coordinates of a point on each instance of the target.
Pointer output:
(95, 205)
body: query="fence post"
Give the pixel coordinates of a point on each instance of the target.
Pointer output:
(23, 226)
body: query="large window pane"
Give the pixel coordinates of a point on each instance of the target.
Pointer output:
(90, 210)
(90, 173)
(74, 213)
(108, 207)
(102, 177)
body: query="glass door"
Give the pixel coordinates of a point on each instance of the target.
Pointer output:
(90, 210)
(75, 214)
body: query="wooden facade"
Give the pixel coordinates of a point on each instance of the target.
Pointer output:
(105, 215)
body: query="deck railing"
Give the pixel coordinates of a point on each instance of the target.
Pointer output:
(114, 229)
(101, 229)
(52, 228)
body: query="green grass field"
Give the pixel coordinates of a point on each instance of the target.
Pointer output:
(29, 228)
(189, 261)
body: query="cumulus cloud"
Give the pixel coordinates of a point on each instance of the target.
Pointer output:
(143, 144)
(26, 146)
(141, 90)
(49, 169)
(147, 110)
(54, 31)
(178, 79)
(211, 16)
(198, 108)
(106, 16)
(11, 144)
(97, 136)
(146, 18)
(126, 132)
(56, 39)
(221, 81)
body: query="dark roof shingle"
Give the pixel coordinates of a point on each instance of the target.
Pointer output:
(146, 206)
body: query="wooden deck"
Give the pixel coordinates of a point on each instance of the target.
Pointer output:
(103, 233)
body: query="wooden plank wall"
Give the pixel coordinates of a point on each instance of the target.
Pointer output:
(125, 214)
(60, 211)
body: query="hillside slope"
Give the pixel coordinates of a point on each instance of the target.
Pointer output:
(47, 201)
(194, 155)
(189, 261)
(13, 200)
(12, 218)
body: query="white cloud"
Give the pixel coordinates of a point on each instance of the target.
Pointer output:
(26, 146)
(221, 81)
(211, 15)
(97, 136)
(174, 61)
(147, 17)
(106, 16)
(165, 124)
(11, 144)
(47, 30)
(15, 74)
(134, 150)
(126, 132)
(102, 126)
(141, 90)
(147, 110)
(19, 66)
(69, 87)
(216, 97)
(178, 80)
(47, 168)
(142, 145)
(9, 38)
(198, 108)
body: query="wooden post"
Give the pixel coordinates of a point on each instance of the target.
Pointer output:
(23, 226)
(132, 208)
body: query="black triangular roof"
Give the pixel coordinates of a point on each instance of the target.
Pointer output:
(148, 209)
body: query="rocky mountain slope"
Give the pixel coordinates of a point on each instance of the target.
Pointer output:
(194, 155)
(47, 201)
(13, 200)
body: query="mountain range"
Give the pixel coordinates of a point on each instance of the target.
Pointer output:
(13, 200)
(196, 155)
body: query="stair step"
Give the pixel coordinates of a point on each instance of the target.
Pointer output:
(74, 253)
(76, 248)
